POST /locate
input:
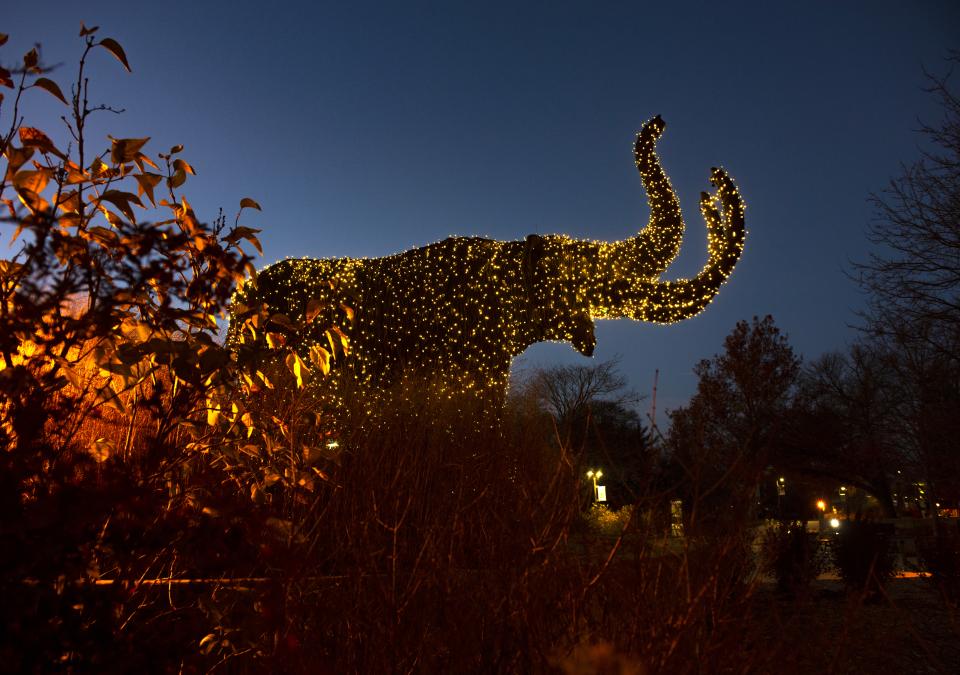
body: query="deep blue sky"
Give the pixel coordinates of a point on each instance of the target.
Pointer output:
(367, 128)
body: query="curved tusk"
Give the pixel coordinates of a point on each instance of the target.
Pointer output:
(651, 251)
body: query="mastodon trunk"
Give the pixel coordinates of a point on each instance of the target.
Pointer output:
(672, 301)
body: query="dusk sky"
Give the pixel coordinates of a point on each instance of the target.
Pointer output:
(364, 129)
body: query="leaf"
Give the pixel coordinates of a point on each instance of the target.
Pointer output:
(186, 214)
(3, 39)
(246, 203)
(84, 31)
(320, 357)
(253, 240)
(51, 87)
(305, 481)
(266, 381)
(69, 220)
(98, 169)
(114, 48)
(213, 412)
(101, 449)
(175, 149)
(208, 642)
(314, 307)
(16, 157)
(283, 321)
(333, 346)
(181, 165)
(247, 420)
(177, 179)
(344, 340)
(348, 311)
(123, 150)
(69, 202)
(5, 79)
(146, 182)
(75, 174)
(30, 59)
(32, 200)
(142, 159)
(112, 217)
(31, 180)
(73, 377)
(297, 367)
(9, 268)
(276, 340)
(34, 138)
(122, 201)
(103, 236)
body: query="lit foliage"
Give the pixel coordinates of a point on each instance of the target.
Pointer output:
(462, 308)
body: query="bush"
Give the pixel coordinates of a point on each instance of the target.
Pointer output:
(132, 443)
(604, 520)
(940, 558)
(863, 555)
(792, 556)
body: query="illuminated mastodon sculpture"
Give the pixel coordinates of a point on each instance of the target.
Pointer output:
(464, 307)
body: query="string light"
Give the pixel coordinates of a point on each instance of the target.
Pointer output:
(462, 308)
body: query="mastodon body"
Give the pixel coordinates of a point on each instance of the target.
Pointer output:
(464, 307)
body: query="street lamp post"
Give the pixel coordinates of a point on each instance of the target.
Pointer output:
(594, 474)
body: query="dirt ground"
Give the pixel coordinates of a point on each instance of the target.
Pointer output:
(908, 630)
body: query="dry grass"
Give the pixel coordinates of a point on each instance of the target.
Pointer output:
(444, 539)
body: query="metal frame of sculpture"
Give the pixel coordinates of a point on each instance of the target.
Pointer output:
(462, 308)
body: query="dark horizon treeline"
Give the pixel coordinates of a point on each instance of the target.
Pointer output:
(867, 419)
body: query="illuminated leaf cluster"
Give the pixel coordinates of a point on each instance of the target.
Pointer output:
(462, 308)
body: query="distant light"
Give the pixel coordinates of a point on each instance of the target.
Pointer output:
(834, 523)
(822, 505)
(332, 445)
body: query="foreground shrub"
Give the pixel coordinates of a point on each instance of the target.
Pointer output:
(863, 555)
(792, 556)
(940, 559)
(120, 410)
